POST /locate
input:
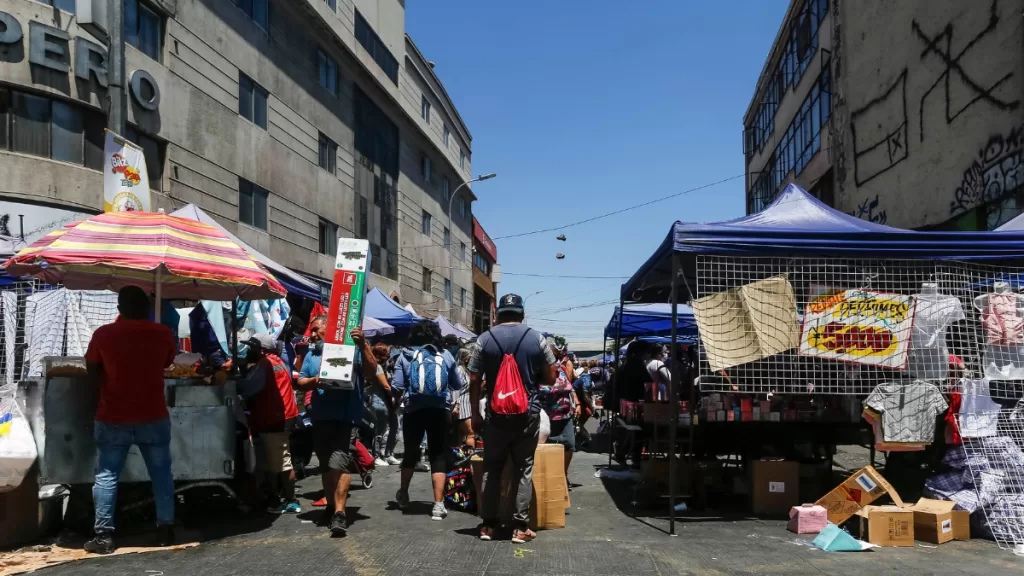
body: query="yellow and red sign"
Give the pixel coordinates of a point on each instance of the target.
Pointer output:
(125, 180)
(859, 326)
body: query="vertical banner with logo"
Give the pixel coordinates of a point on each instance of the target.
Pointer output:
(125, 180)
(345, 312)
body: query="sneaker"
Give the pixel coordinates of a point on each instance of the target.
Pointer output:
(101, 544)
(165, 536)
(523, 536)
(391, 460)
(421, 467)
(439, 512)
(402, 498)
(339, 525)
(380, 463)
(486, 533)
(291, 508)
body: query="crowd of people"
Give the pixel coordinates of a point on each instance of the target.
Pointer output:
(502, 393)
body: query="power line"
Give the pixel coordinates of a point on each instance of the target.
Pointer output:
(620, 211)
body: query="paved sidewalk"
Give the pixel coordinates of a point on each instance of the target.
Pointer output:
(599, 540)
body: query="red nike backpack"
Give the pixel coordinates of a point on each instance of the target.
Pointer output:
(508, 397)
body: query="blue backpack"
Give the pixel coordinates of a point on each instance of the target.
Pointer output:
(427, 374)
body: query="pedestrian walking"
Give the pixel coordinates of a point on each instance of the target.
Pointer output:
(561, 403)
(462, 412)
(379, 393)
(426, 373)
(515, 360)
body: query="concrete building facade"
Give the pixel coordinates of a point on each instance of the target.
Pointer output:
(923, 125)
(485, 278)
(291, 122)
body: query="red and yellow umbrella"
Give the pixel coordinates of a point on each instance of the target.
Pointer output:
(171, 256)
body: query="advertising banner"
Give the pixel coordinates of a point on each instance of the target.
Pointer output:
(125, 180)
(859, 326)
(345, 312)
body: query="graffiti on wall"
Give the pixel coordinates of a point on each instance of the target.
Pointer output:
(868, 209)
(879, 131)
(997, 170)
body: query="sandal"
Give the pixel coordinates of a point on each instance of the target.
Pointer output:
(486, 533)
(523, 536)
(320, 503)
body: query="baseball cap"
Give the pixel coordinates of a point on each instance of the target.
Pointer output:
(263, 340)
(511, 303)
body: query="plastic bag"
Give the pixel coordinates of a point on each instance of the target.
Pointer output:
(17, 446)
(545, 428)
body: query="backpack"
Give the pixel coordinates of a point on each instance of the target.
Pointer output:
(508, 396)
(427, 374)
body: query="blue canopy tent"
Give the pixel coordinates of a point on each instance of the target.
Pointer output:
(449, 329)
(795, 225)
(650, 320)
(378, 305)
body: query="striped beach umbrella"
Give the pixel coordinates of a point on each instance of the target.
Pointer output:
(176, 258)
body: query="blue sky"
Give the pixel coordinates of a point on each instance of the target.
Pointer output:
(585, 106)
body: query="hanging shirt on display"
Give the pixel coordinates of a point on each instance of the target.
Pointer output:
(979, 415)
(928, 353)
(908, 410)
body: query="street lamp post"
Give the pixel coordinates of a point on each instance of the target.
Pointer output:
(448, 248)
(531, 295)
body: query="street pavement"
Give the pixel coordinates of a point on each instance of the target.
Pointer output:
(600, 539)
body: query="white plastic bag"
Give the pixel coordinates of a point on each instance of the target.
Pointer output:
(17, 447)
(545, 428)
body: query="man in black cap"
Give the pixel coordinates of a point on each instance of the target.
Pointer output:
(513, 418)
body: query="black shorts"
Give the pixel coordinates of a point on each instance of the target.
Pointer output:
(332, 442)
(563, 432)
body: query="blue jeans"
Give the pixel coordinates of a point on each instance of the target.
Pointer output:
(113, 442)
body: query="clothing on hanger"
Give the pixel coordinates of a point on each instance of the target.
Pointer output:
(933, 315)
(979, 415)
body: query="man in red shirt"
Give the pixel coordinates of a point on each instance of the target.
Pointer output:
(270, 398)
(127, 360)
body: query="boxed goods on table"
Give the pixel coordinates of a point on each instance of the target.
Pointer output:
(775, 486)
(935, 521)
(862, 488)
(807, 519)
(886, 525)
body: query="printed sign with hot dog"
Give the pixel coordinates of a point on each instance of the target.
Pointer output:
(860, 326)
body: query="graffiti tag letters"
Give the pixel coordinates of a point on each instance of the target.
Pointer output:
(997, 170)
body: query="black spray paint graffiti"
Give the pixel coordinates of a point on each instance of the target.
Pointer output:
(998, 170)
(868, 210)
(939, 46)
(879, 131)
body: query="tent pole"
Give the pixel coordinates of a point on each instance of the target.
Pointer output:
(234, 337)
(618, 374)
(604, 368)
(674, 402)
(158, 308)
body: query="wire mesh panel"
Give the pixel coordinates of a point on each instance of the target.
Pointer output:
(992, 477)
(832, 326)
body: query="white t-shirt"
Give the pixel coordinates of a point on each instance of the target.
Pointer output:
(929, 356)
(908, 410)
(659, 372)
(979, 415)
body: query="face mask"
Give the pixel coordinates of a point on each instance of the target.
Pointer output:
(318, 346)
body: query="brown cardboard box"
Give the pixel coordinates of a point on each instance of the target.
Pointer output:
(775, 486)
(935, 521)
(886, 525)
(862, 488)
(550, 490)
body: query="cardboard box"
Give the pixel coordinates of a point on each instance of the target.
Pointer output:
(345, 312)
(550, 490)
(862, 488)
(775, 486)
(886, 525)
(720, 415)
(935, 521)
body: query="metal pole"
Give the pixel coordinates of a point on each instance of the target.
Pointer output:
(117, 116)
(674, 402)
(618, 374)
(234, 337)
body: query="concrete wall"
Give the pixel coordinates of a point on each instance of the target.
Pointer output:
(927, 114)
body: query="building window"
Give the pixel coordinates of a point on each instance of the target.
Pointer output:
(376, 48)
(143, 28)
(447, 238)
(363, 217)
(328, 154)
(51, 129)
(376, 136)
(252, 204)
(65, 5)
(328, 237)
(462, 206)
(425, 168)
(448, 289)
(445, 135)
(328, 71)
(258, 10)
(252, 101)
(153, 151)
(482, 264)
(446, 190)
(426, 282)
(425, 108)
(462, 158)
(462, 251)
(425, 223)
(332, 4)
(462, 297)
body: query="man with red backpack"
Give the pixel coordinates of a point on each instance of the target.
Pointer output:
(516, 361)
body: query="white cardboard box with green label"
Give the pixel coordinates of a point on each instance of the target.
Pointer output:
(345, 312)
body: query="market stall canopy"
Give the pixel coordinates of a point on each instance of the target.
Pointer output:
(185, 258)
(1015, 225)
(374, 328)
(652, 320)
(449, 329)
(294, 282)
(378, 305)
(797, 224)
(409, 308)
(459, 326)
